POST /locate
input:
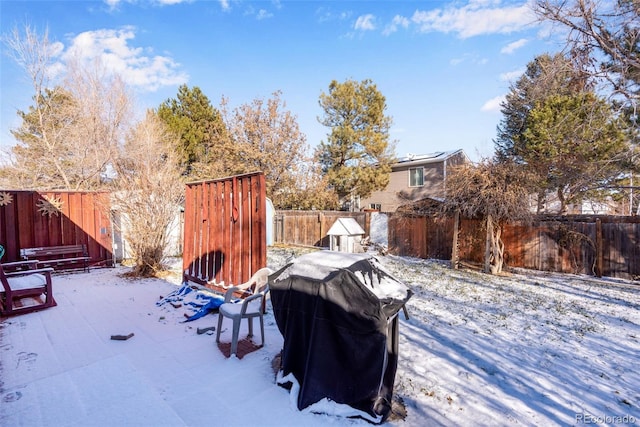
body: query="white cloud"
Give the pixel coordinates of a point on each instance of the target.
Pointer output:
(56, 49)
(475, 18)
(113, 4)
(512, 47)
(134, 64)
(171, 2)
(365, 23)
(493, 105)
(263, 14)
(398, 21)
(469, 57)
(512, 75)
(326, 14)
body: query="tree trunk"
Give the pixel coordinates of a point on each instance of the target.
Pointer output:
(563, 202)
(498, 251)
(487, 245)
(455, 256)
(494, 248)
(540, 202)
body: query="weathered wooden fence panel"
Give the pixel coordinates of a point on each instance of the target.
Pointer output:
(407, 235)
(562, 246)
(471, 241)
(621, 249)
(39, 219)
(416, 235)
(225, 230)
(607, 246)
(309, 228)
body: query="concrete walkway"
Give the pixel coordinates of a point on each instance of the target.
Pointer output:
(60, 367)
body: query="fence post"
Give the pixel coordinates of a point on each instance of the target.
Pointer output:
(599, 250)
(455, 256)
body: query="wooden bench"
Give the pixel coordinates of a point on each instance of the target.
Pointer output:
(66, 256)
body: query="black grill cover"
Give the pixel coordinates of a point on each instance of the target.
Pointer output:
(338, 313)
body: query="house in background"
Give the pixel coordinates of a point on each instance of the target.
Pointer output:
(414, 178)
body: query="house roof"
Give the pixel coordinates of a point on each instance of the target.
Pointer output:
(428, 205)
(422, 159)
(345, 227)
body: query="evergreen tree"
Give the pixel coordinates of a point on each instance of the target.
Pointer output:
(357, 156)
(203, 138)
(44, 154)
(607, 33)
(545, 75)
(575, 145)
(566, 137)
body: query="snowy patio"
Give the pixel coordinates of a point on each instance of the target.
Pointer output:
(525, 349)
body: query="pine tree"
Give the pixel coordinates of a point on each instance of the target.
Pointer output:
(203, 138)
(569, 140)
(357, 156)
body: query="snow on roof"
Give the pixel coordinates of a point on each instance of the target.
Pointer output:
(438, 156)
(345, 227)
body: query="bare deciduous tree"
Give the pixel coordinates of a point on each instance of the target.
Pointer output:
(74, 137)
(69, 134)
(148, 192)
(266, 137)
(104, 110)
(494, 192)
(606, 32)
(311, 190)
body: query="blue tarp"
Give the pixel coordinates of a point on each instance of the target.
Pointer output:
(202, 302)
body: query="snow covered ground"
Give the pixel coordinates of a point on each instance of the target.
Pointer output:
(527, 348)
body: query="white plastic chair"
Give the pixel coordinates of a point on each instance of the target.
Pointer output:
(248, 308)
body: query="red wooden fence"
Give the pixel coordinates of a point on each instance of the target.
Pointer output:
(225, 230)
(604, 245)
(39, 219)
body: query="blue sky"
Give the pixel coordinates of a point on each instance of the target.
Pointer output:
(443, 66)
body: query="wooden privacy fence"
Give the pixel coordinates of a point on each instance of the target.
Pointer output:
(309, 228)
(31, 219)
(225, 230)
(594, 245)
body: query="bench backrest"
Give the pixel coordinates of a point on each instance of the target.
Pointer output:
(53, 251)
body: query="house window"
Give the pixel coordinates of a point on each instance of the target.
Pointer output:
(416, 177)
(375, 206)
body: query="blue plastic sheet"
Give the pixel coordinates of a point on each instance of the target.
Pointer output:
(201, 302)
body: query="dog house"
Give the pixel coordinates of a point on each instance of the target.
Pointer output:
(345, 235)
(338, 314)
